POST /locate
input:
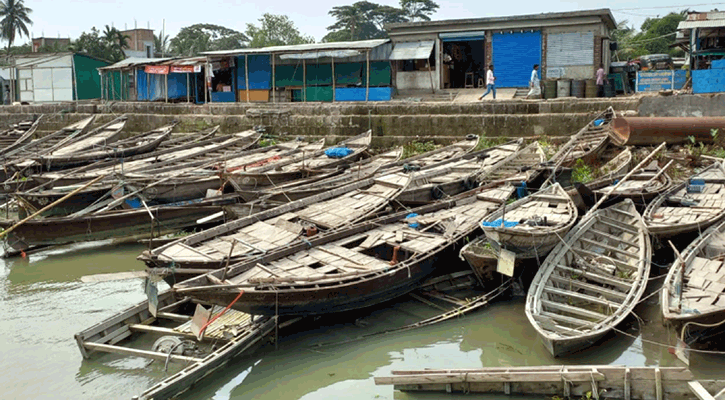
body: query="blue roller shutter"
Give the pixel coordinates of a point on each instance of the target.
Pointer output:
(514, 54)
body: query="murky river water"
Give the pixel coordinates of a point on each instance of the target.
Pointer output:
(43, 304)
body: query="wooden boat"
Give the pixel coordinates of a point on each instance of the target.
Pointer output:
(453, 150)
(591, 280)
(278, 227)
(156, 185)
(613, 169)
(18, 135)
(641, 187)
(99, 137)
(454, 176)
(139, 144)
(274, 174)
(524, 167)
(113, 224)
(689, 208)
(361, 169)
(152, 328)
(539, 222)
(560, 381)
(693, 292)
(586, 144)
(346, 269)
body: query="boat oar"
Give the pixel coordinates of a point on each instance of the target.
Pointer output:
(51, 205)
(635, 169)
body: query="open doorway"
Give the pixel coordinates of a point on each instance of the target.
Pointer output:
(462, 60)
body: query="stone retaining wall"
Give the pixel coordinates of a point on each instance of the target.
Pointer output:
(391, 122)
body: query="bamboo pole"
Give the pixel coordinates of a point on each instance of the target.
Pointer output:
(333, 79)
(304, 81)
(635, 169)
(274, 84)
(51, 205)
(246, 75)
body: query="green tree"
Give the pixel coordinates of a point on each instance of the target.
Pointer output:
(657, 35)
(93, 44)
(624, 36)
(362, 20)
(198, 38)
(161, 44)
(418, 10)
(275, 30)
(15, 20)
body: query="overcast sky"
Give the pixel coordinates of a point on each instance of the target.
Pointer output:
(69, 18)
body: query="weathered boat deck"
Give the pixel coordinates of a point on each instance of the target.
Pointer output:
(590, 382)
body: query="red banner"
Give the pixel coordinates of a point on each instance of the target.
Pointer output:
(157, 69)
(182, 69)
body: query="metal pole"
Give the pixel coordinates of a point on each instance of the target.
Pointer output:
(246, 75)
(207, 81)
(367, 80)
(367, 77)
(333, 79)
(274, 86)
(304, 80)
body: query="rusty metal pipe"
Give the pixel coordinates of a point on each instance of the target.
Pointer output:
(645, 131)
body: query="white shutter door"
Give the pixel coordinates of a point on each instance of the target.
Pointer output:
(569, 49)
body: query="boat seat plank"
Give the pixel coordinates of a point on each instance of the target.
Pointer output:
(604, 279)
(615, 261)
(587, 286)
(608, 247)
(574, 310)
(580, 296)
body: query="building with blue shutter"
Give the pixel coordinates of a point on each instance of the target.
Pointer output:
(434, 55)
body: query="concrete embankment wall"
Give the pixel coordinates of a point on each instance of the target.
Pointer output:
(391, 122)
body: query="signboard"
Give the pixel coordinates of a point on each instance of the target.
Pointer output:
(654, 81)
(185, 69)
(506, 261)
(152, 292)
(157, 69)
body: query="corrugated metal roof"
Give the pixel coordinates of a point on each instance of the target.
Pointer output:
(412, 50)
(185, 61)
(132, 61)
(711, 23)
(319, 54)
(301, 48)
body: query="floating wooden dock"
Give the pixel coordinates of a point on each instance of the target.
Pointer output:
(237, 332)
(591, 382)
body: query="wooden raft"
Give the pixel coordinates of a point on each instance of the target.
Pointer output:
(618, 382)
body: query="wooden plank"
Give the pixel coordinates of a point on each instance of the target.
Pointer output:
(608, 247)
(573, 310)
(699, 391)
(578, 323)
(617, 224)
(594, 255)
(138, 353)
(605, 279)
(165, 331)
(586, 286)
(627, 385)
(478, 377)
(612, 237)
(580, 296)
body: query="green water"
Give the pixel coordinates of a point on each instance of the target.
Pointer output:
(43, 304)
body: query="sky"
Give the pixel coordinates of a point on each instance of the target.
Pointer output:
(69, 18)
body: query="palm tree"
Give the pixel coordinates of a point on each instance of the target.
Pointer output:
(348, 18)
(14, 16)
(161, 44)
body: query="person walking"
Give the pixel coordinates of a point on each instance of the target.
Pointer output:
(601, 80)
(534, 83)
(490, 83)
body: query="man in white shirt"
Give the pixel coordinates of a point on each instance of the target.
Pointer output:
(490, 83)
(534, 83)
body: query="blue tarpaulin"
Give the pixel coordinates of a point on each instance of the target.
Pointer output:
(414, 225)
(338, 152)
(497, 223)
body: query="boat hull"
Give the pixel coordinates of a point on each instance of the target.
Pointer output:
(355, 295)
